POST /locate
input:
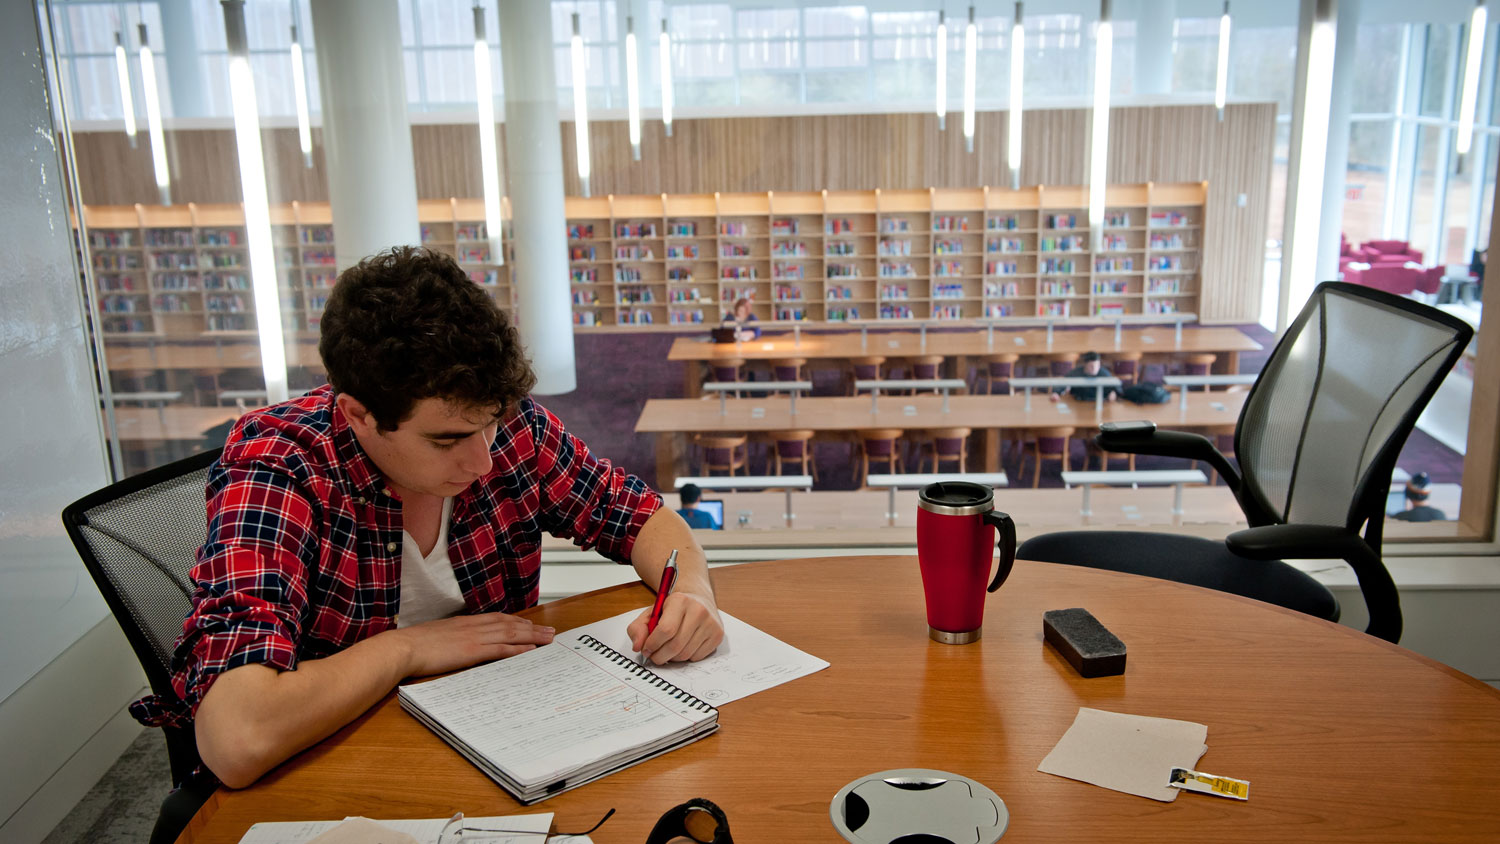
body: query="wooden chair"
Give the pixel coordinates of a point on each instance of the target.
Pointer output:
(787, 369)
(878, 445)
(724, 452)
(945, 445)
(995, 372)
(924, 367)
(1198, 365)
(1046, 444)
(1094, 451)
(865, 369)
(1125, 366)
(792, 448)
(726, 370)
(1222, 436)
(1059, 364)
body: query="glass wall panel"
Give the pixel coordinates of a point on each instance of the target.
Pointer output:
(1366, 183)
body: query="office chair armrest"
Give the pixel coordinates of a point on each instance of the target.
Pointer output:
(1312, 542)
(1171, 444)
(1330, 542)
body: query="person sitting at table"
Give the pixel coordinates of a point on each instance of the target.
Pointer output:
(741, 319)
(388, 524)
(1417, 509)
(1089, 366)
(695, 518)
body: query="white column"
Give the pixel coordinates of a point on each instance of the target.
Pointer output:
(185, 76)
(1479, 153)
(372, 181)
(1153, 47)
(533, 156)
(1335, 176)
(1303, 200)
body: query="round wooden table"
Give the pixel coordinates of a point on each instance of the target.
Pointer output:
(1343, 737)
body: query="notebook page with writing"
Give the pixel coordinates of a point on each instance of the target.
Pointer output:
(748, 661)
(555, 717)
(426, 830)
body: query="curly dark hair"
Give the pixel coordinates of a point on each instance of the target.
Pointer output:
(409, 324)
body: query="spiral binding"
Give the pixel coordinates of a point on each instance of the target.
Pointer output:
(647, 674)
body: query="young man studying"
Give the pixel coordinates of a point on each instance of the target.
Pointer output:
(388, 525)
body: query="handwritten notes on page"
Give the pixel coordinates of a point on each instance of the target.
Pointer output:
(748, 661)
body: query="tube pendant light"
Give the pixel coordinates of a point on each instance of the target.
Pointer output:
(1017, 78)
(489, 159)
(153, 119)
(580, 109)
(257, 206)
(127, 102)
(942, 71)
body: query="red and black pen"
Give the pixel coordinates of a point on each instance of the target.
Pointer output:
(668, 577)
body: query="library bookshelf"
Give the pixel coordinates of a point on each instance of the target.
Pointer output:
(666, 261)
(184, 270)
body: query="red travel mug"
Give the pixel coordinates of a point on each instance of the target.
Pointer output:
(956, 526)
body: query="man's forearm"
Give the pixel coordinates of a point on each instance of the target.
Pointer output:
(254, 717)
(662, 534)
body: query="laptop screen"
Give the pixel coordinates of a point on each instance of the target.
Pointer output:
(715, 508)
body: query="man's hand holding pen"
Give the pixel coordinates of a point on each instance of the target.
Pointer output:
(687, 626)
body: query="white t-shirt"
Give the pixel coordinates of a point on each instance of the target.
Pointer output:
(429, 589)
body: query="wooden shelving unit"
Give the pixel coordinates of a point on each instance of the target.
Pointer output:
(659, 261)
(184, 271)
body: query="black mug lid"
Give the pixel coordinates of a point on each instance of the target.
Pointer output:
(956, 497)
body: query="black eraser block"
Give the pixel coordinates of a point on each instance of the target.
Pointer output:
(1086, 644)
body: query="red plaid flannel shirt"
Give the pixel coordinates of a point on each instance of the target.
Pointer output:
(303, 557)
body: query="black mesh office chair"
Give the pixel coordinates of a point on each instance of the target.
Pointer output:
(139, 538)
(1317, 441)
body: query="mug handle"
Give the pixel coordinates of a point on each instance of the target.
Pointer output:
(1007, 528)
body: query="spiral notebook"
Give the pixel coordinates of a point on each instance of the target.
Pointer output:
(559, 716)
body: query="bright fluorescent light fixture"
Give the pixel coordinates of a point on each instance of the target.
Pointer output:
(489, 161)
(1017, 76)
(632, 89)
(942, 71)
(580, 108)
(1472, 59)
(666, 78)
(1221, 79)
(1302, 263)
(971, 46)
(299, 94)
(153, 120)
(127, 102)
(257, 207)
(1099, 145)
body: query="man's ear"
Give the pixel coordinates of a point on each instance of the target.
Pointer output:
(360, 418)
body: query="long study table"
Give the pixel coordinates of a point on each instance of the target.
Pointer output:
(674, 421)
(1343, 737)
(958, 346)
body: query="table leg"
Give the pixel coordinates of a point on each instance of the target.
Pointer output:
(692, 379)
(989, 453)
(671, 453)
(1229, 363)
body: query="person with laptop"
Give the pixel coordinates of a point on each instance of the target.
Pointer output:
(388, 524)
(1090, 365)
(741, 319)
(1417, 509)
(695, 518)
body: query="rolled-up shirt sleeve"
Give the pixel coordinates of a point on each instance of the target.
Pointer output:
(586, 498)
(250, 585)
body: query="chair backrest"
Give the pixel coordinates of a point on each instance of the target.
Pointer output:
(139, 539)
(1321, 429)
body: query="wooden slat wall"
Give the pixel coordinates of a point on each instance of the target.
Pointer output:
(838, 152)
